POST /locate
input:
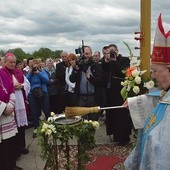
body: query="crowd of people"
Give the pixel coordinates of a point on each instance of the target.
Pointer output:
(40, 87)
(35, 87)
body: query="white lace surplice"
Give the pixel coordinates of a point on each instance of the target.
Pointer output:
(20, 110)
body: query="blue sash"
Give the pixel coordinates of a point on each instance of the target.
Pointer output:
(152, 121)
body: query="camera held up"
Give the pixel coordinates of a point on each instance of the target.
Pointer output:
(81, 57)
(112, 54)
(34, 69)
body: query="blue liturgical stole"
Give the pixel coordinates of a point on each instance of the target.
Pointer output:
(153, 120)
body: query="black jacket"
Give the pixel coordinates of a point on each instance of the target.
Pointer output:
(60, 76)
(96, 79)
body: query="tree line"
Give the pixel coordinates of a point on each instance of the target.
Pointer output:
(42, 53)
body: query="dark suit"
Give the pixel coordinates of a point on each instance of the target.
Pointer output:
(61, 87)
(118, 122)
(96, 79)
(124, 61)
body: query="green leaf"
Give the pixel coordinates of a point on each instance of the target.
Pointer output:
(124, 93)
(129, 49)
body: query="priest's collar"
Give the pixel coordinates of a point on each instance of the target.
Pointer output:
(165, 97)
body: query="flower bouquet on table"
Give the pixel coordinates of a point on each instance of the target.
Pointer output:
(134, 84)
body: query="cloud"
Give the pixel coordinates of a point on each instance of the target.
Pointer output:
(62, 25)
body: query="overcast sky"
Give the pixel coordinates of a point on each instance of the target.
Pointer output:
(63, 24)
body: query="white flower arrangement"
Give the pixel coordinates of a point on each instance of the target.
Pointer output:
(149, 85)
(48, 129)
(50, 133)
(95, 124)
(134, 84)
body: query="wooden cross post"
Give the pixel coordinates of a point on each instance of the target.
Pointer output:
(145, 42)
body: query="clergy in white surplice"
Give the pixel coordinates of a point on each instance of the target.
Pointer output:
(8, 127)
(150, 113)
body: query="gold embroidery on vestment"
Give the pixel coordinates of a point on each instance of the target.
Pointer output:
(151, 122)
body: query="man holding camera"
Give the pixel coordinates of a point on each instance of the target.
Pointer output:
(88, 77)
(124, 61)
(118, 122)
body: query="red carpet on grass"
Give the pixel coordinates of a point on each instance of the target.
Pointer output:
(108, 157)
(104, 163)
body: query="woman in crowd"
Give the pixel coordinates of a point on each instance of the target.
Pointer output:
(38, 97)
(70, 86)
(52, 90)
